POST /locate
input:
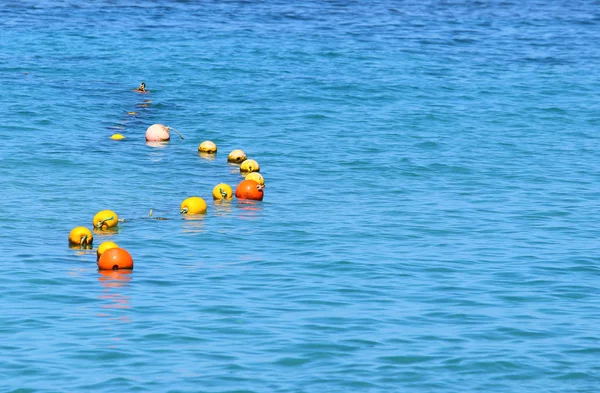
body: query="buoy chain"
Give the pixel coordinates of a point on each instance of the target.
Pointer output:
(250, 168)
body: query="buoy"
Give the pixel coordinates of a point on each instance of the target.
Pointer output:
(105, 219)
(257, 177)
(115, 259)
(142, 88)
(103, 247)
(236, 156)
(193, 205)
(117, 137)
(249, 166)
(81, 236)
(222, 191)
(207, 147)
(158, 133)
(249, 189)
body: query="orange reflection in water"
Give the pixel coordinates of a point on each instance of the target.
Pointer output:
(114, 278)
(114, 282)
(250, 209)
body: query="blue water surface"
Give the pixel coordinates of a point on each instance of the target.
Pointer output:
(430, 220)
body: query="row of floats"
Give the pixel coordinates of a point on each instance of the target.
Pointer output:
(110, 256)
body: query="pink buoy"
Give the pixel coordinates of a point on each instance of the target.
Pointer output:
(157, 133)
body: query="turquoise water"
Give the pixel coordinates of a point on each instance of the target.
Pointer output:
(430, 221)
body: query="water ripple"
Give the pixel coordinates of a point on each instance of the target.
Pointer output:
(428, 217)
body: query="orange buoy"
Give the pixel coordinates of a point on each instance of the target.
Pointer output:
(249, 166)
(249, 189)
(222, 191)
(103, 247)
(115, 259)
(236, 156)
(81, 236)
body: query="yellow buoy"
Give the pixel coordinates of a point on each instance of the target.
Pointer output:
(193, 205)
(222, 191)
(105, 219)
(249, 166)
(117, 137)
(81, 236)
(105, 246)
(236, 156)
(257, 177)
(207, 147)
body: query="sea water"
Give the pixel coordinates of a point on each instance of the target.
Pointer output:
(430, 220)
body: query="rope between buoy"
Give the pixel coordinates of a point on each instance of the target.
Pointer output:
(171, 128)
(101, 223)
